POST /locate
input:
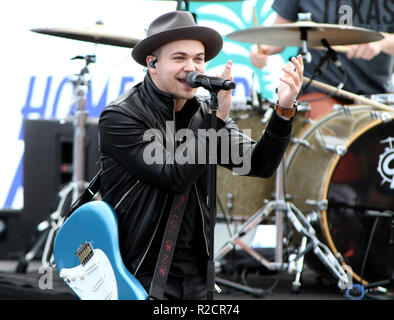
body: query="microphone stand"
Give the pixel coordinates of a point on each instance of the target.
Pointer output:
(211, 200)
(211, 179)
(330, 56)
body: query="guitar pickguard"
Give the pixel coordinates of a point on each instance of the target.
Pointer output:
(94, 280)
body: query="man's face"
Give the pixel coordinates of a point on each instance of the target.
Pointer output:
(174, 61)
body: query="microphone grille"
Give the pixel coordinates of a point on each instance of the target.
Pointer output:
(190, 78)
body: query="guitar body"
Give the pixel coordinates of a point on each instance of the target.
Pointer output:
(87, 256)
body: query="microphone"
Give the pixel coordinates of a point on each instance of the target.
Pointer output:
(331, 54)
(196, 79)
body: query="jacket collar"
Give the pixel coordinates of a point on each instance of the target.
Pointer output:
(161, 101)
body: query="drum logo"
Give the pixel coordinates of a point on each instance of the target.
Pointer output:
(386, 163)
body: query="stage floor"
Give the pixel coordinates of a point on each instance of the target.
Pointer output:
(33, 285)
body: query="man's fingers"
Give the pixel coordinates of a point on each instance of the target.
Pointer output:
(291, 74)
(227, 70)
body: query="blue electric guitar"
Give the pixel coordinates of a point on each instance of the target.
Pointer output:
(87, 256)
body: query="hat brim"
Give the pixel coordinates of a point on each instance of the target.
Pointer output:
(211, 39)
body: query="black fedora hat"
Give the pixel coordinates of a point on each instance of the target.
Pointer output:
(177, 25)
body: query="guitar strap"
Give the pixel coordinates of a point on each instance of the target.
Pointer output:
(168, 244)
(87, 194)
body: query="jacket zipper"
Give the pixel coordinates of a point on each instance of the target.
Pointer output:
(125, 195)
(198, 199)
(202, 217)
(153, 236)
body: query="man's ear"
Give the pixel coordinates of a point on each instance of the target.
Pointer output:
(151, 63)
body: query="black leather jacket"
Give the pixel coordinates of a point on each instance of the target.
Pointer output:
(139, 191)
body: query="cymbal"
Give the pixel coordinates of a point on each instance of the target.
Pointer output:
(289, 34)
(95, 34)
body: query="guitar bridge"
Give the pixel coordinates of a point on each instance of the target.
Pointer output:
(84, 253)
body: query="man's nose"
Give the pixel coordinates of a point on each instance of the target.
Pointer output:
(190, 65)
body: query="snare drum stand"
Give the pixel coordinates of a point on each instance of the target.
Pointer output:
(283, 208)
(69, 193)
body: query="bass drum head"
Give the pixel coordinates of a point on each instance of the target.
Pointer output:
(344, 172)
(361, 203)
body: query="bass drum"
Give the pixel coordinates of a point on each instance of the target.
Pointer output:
(343, 170)
(242, 196)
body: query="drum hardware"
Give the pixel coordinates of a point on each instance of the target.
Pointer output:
(383, 116)
(345, 109)
(376, 213)
(386, 98)
(306, 55)
(296, 261)
(337, 106)
(340, 259)
(301, 142)
(348, 112)
(383, 214)
(330, 143)
(296, 265)
(319, 204)
(319, 249)
(303, 106)
(229, 205)
(247, 226)
(314, 216)
(338, 149)
(283, 209)
(71, 191)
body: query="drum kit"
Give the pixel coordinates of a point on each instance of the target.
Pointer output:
(320, 215)
(328, 191)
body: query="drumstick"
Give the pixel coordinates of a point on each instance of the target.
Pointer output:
(349, 95)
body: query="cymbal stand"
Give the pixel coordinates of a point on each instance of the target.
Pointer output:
(306, 55)
(69, 193)
(179, 5)
(282, 209)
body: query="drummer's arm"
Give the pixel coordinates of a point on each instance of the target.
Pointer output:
(260, 53)
(388, 43)
(369, 50)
